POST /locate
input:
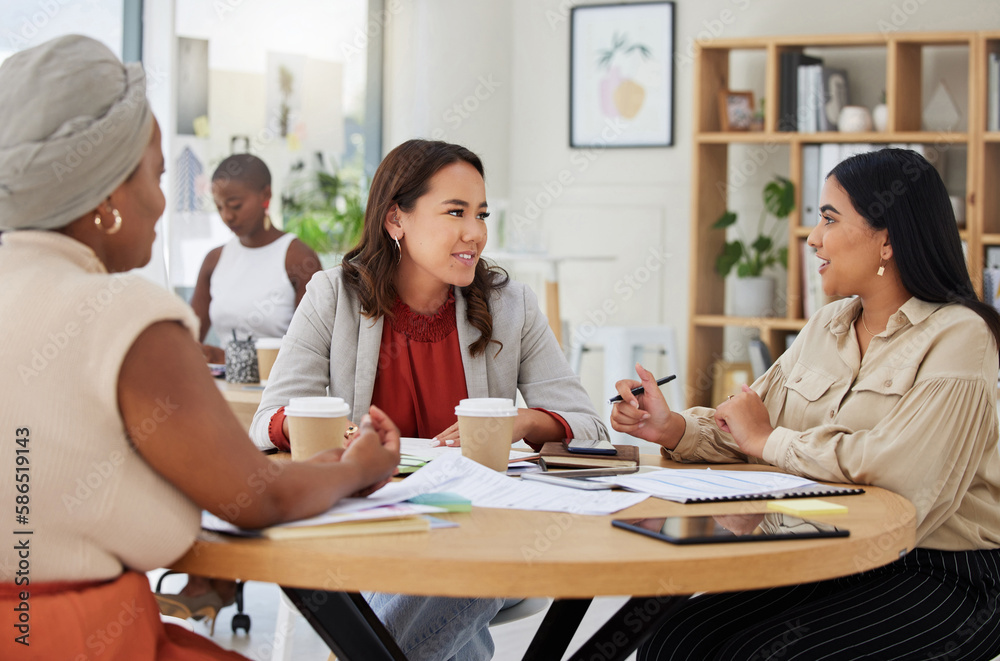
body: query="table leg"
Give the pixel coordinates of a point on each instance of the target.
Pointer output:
(556, 630)
(360, 635)
(622, 634)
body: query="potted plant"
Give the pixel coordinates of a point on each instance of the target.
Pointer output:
(753, 292)
(325, 210)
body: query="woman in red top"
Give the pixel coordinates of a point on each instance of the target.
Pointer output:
(414, 320)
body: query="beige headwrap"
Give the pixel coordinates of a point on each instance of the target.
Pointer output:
(74, 122)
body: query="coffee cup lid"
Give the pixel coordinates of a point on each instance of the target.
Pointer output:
(269, 343)
(486, 407)
(317, 407)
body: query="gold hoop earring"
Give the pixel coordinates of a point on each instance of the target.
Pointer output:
(114, 228)
(267, 221)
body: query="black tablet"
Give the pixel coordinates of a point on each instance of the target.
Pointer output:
(729, 528)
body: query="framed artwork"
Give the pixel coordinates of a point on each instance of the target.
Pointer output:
(727, 379)
(735, 110)
(621, 91)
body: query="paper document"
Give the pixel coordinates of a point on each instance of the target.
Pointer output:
(421, 447)
(685, 485)
(211, 522)
(488, 488)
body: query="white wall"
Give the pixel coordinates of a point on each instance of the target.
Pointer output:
(622, 202)
(448, 77)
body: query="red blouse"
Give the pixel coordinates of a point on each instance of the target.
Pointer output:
(420, 377)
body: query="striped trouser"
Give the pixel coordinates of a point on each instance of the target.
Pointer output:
(927, 605)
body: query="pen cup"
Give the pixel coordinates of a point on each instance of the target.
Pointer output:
(315, 424)
(486, 428)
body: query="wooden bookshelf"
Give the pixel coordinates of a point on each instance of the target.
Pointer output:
(904, 61)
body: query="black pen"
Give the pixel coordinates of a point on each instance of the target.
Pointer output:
(640, 389)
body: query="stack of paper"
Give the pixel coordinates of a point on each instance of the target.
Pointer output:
(487, 488)
(693, 485)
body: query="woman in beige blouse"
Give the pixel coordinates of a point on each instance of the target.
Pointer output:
(118, 434)
(896, 388)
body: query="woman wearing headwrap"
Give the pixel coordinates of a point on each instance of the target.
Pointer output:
(116, 433)
(252, 284)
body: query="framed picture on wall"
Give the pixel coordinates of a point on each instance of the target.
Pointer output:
(735, 110)
(621, 91)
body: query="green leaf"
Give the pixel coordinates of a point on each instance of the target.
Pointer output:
(725, 220)
(745, 270)
(731, 254)
(783, 256)
(779, 197)
(642, 50)
(762, 244)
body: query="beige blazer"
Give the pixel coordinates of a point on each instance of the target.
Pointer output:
(331, 345)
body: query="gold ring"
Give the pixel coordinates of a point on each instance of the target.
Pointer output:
(730, 397)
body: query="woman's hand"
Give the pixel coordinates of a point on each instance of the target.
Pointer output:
(351, 433)
(646, 416)
(448, 437)
(746, 418)
(375, 450)
(213, 354)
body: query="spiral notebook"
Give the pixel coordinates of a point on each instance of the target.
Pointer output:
(712, 486)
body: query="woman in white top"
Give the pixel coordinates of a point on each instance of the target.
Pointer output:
(251, 285)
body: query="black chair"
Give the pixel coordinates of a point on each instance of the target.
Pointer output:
(240, 621)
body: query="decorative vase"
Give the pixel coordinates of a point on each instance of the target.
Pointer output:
(854, 119)
(880, 117)
(752, 297)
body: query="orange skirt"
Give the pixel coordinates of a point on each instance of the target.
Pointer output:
(114, 621)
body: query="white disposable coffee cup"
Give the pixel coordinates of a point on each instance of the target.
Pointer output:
(486, 428)
(267, 352)
(315, 424)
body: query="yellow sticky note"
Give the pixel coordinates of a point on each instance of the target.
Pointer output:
(805, 506)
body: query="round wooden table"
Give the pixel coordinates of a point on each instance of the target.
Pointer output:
(514, 553)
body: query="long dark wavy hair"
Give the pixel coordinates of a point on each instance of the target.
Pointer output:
(898, 190)
(369, 268)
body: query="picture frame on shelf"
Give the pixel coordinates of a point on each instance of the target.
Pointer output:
(727, 379)
(621, 75)
(736, 110)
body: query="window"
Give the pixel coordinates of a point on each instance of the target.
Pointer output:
(288, 82)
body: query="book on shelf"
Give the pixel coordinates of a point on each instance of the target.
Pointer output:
(812, 183)
(555, 453)
(993, 93)
(810, 97)
(790, 340)
(813, 297)
(788, 94)
(760, 357)
(993, 257)
(991, 286)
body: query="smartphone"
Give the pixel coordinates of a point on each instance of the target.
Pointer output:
(571, 482)
(723, 528)
(587, 446)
